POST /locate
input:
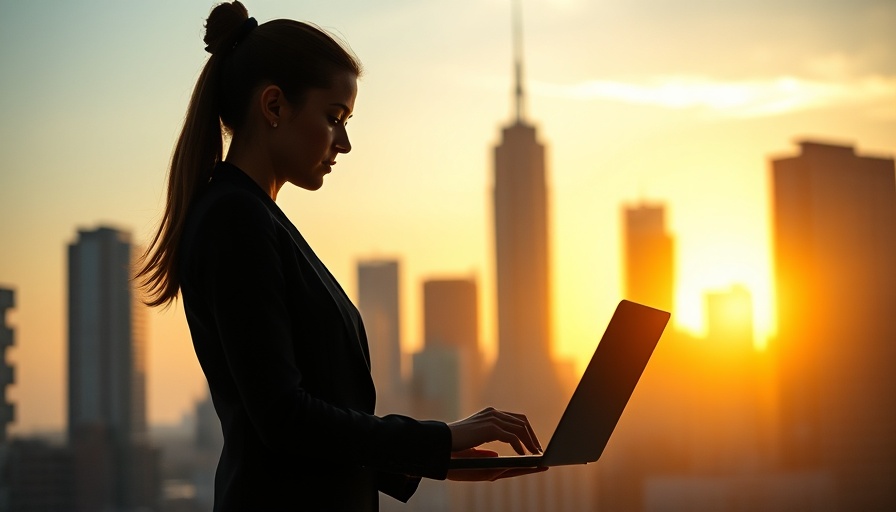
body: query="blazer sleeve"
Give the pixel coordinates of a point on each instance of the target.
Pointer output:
(239, 275)
(400, 487)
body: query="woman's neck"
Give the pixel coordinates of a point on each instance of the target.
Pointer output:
(254, 163)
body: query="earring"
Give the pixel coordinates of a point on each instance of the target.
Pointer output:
(274, 124)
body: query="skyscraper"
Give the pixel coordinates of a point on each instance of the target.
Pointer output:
(378, 301)
(524, 376)
(729, 387)
(106, 353)
(446, 373)
(834, 251)
(107, 375)
(649, 256)
(7, 411)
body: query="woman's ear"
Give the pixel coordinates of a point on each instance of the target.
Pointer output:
(271, 101)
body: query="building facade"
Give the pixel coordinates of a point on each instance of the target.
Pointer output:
(451, 313)
(7, 375)
(106, 354)
(115, 468)
(649, 256)
(7, 409)
(447, 371)
(524, 377)
(834, 234)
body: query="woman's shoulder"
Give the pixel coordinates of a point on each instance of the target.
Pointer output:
(225, 198)
(225, 210)
(230, 196)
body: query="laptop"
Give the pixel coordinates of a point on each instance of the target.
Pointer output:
(601, 396)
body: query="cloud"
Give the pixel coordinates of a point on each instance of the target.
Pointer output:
(747, 98)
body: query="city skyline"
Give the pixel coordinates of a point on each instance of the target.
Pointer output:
(382, 271)
(719, 401)
(692, 126)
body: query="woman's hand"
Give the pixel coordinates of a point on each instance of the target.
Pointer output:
(491, 424)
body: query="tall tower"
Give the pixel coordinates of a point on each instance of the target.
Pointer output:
(107, 375)
(834, 220)
(379, 306)
(649, 256)
(106, 353)
(524, 377)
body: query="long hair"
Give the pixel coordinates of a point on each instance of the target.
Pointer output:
(293, 55)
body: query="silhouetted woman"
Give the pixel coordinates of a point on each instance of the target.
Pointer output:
(281, 345)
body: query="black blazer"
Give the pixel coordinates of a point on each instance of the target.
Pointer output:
(287, 363)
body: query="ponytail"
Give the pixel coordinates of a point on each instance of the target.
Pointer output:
(199, 147)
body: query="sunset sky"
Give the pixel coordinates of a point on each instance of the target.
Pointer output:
(680, 102)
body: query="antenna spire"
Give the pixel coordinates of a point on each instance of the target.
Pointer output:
(517, 22)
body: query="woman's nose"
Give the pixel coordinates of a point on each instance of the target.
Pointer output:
(343, 145)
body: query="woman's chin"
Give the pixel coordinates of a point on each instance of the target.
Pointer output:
(310, 185)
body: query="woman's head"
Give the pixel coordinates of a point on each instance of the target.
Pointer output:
(289, 56)
(292, 55)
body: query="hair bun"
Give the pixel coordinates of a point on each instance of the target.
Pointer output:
(224, 26)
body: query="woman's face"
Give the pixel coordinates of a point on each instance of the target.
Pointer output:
(310, 135)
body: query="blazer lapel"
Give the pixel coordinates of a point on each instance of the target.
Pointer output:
(341, 301)
(226, 170)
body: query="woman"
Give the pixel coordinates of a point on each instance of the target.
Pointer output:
(281, 345)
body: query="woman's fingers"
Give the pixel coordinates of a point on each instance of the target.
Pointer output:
(516, 425)
(533, 444)
(493, 425)
(508, 437)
